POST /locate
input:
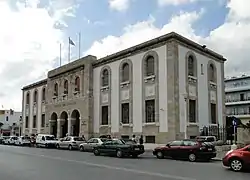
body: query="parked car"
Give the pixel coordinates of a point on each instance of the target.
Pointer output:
(2, 138)
(186, 149)
(70, 142)
(119, 148)
(91, 143)
(45, 140)
(238, 159)
(11, 140)
(206, 138)
(23, 141)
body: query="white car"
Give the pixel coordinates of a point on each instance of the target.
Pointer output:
(46, 140)
(70, 142)
(91, 143)
(23, 141)
(11, 140)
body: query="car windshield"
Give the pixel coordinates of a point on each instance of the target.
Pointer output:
(103, 139)
(129, 141)
(78, 139)
(25, 138)
(50, 137)
(15, 138)
(119, 141)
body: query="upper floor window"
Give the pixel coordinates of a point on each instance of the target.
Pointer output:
(125, 72)
(105, 77)
(44, 94)
(35, 96)
(55, 89)
(191, 66)
(211, 73)
(77, 84)
(65, 87)
(28, 98)
(150, 66)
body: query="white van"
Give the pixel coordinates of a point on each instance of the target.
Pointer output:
(45, 140)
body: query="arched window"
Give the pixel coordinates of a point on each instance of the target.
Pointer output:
(44, 94)
(191, 66)
(150, 66)
(105, 77)
(65, 87)
(211, 73)
(77, 84)
(55, 89)
(125, 72)
(35, 96)
(28, 98)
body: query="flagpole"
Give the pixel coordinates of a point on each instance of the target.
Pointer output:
(79, 36)
(69, 51)
(60, 54)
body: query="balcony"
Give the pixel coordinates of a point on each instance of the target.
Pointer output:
(237, 88)
(237, 101)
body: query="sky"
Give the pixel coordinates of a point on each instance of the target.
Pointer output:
(31, 32)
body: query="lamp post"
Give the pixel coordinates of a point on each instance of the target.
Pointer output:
(234, 122)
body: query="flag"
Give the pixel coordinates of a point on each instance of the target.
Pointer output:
(71, 42)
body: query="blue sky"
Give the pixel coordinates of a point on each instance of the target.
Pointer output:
(31, 34)
(106, 21)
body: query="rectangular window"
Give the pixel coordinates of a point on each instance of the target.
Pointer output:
(150, 139)
(105, 115)
(213, 113)
(192, 111)
(125, 113)
(150, 111)
(242, 97)
(27, 122)
(43, 120)
(34, 121)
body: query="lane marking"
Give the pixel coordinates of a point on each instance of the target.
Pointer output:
(174, 177)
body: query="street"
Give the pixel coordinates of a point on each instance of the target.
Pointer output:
(21, 163)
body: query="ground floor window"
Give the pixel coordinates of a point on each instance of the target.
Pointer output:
(150, 139)
(150, 110)
(192, 111)
(125, 113)
(213, 113)
(27, 122)
(34, 121)
(43, 120)
(105, 115)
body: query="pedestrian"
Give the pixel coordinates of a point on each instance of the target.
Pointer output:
(141, 140)
(133, 139)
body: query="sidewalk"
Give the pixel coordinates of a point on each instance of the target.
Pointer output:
(150, 147)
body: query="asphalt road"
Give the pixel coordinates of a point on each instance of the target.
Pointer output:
(20, 163)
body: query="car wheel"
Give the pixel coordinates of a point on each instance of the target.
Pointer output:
(135, 156)
(96, 152)
(159, 155)
(81, 148)
(46, 145)
(70, 147)
(57, 146)
(119, 154)
(192, 157)
(236, 165)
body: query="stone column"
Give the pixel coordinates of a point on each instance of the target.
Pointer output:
(58, 135)
(70, 127)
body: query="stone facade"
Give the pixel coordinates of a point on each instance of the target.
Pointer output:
(78, 92)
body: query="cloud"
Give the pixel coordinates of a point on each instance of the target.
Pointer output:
(231, 38)
(29, 43)
(119, 5)
(174, 2)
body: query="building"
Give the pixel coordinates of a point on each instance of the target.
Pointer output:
(237, 91)
(10, 122)
(164, 89)
(33, 108)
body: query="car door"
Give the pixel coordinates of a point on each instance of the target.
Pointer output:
(104, 148)
(186, 148)
(93, 144)
(62, 143)
(246, 155)
(174, 150)
(87, 146)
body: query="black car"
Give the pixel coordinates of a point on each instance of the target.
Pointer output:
(119, 148)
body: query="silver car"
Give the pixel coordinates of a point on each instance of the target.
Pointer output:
(91, 143)
(70, 142)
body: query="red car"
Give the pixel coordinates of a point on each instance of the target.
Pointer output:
(186, 149)
(238, 159)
